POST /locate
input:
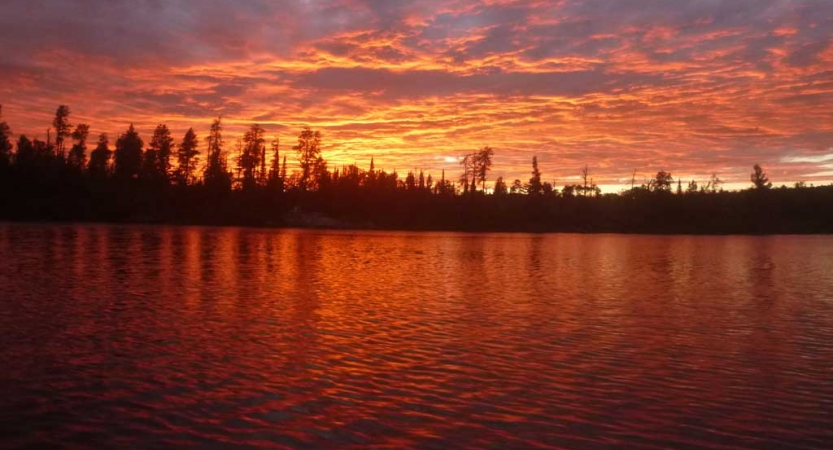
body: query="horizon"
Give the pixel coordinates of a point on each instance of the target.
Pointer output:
(707, 87)
(641, 179)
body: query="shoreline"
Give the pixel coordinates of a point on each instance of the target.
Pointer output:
(348, 227)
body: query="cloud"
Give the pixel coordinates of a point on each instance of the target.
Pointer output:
(814, 159)
(693, 87)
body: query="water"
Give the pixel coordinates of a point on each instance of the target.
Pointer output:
(134, 336)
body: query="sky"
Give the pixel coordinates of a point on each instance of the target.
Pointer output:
(692, 87)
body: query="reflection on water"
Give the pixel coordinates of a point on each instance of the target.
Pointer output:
(118, 336)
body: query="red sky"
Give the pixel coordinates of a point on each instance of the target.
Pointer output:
(691, 87)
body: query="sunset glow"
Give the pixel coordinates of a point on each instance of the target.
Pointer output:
(694, 88)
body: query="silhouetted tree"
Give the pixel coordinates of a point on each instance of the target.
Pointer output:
(350, 178)
(149, 164)
(309, 153)
(661, 182)
(275, 181)
(483, 164)
(238, 146)
(44, 153)
(262, 174)
(25, 155)
(128, 155)
(62, 129)
(48, 146)
(535, 187)
(187, 157)
(216, 174)
(38, 181)
(692, 187)
(759, 179)
(100, 158)
(713, 185)
(517, 187)
(157, 164)
(5, 141)
(252, 155)
(410, 182)
(320, 177)
(500, 187)
(468, 172)
(444, 186)
(78, 152)
(275, 165)
(585, 172)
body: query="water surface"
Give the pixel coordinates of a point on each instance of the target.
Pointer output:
(144, 336)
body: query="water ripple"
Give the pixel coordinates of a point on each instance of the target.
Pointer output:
(154, 337)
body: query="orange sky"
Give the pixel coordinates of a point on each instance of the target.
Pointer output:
(690, 87)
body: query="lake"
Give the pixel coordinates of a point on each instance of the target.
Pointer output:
(155, 336)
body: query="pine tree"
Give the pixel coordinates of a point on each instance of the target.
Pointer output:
(78, 153)
(251, 156)
(62, 129)
(535, 187)
(128, 155)
(309, 152)
(187, 157)
(158, 156)
(275, 167)
(585, 172)
(483, 164)
(5, 141)
(25, 155)
(759, 179)
(100, 158)
(216, 174)
(500, 187)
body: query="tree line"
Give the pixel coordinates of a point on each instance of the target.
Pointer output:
(171, 179)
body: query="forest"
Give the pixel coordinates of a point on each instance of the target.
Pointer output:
(205, 180)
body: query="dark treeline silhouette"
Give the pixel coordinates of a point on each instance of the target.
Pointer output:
(205, 180)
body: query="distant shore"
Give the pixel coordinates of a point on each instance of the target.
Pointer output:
(55, 180)
(298, 219)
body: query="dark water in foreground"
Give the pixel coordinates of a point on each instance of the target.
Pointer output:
(117, 336)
